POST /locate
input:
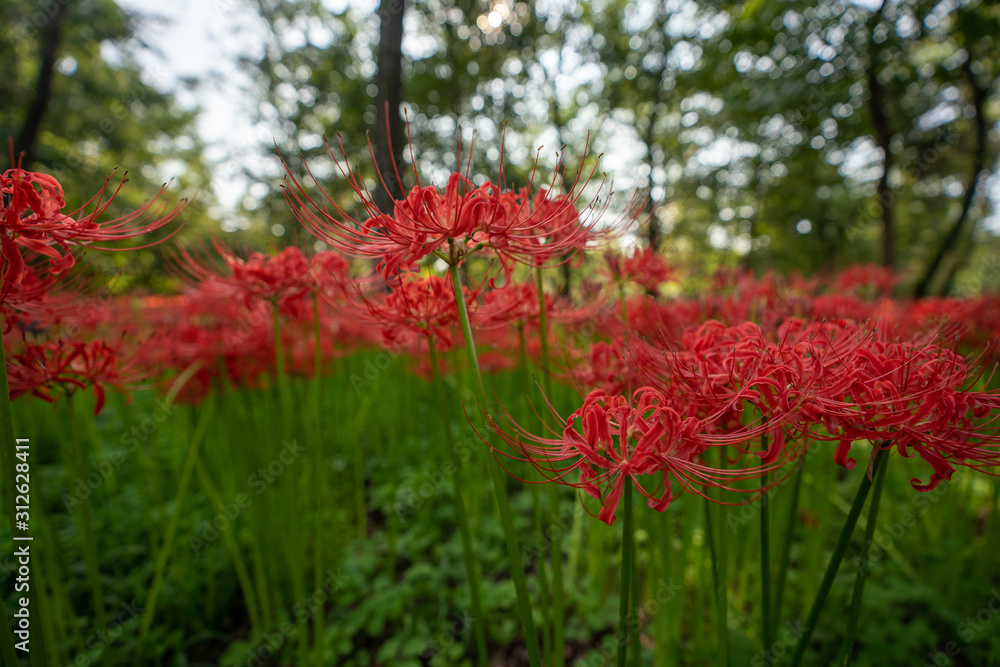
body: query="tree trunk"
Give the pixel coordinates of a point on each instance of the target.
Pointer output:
(51, 36)
(883, 134)
(390, 140)
(954, 233)
(556, 118)
(653, 233)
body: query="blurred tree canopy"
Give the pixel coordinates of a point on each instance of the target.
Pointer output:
(75, 102)
(799, 136)
(793, 135)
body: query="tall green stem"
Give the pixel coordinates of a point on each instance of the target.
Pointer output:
(7, 441)
(863, 564)
(6, 637)
(229, 541)
(163, 557)
(545, 629)
(718, 583)
(623, 314)
(284, 392)
(364, 404)
(38, 654)
(765, 560)
(293, 539)
(320, 616)
(634, 606)
(86, 522)
(499, 485)
(625, 587)
(543, 331)
(786, 548)
(7, 448)
(468, 552)
(558, 595)
(665, 653)
(838, 555)
(536, 503)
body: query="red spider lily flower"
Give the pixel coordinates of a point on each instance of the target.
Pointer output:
(717, 371)
(24, 299)
(517, 303)
(462, 219)
(281, 278)
(41, 369)
(827, 381)
(31, 204)
(910, 397)
(272, 278)
(866, 279)
(233, 344)
(839, 382)
(512, 303)
(547, 229)
(66, 306)
(645, 268)
(840, 306)
(561, 233)
(219, 333)
(653, 319)
(603, 365)
(611, 441)
(500, 359)
(330, 274)
(417, 308)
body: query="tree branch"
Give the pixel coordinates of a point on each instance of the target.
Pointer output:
(980, 94)
(883, 134)
(390, 143)
(51, 37)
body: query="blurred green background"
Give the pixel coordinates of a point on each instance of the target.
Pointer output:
(788, 135)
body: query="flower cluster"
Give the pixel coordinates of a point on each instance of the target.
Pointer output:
(682, 394)
(814, 382)
(33, 220)
(523, 226)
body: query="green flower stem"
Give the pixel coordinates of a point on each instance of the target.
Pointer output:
(229, 541)
(499, 486)
(543, 332)
(863, 563)
(62, 607)
(628, 562)
(318, 570)
(575, 543)
(168, 540)
(838, 555)
(536, 503)
(468, 551)
(558, 595)
(765, 560)
(6, 636)
(293, 540)
(284, 395)
(364, 405)
(786, 548)
(718, 583)
(293, 543)
(634, 606)
(664, 570)
(543, 580)
(38, 654)
(7, 449)
(86, 522)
